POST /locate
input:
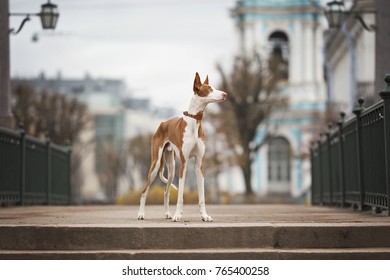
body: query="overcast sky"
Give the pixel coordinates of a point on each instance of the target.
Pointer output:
(156, 46)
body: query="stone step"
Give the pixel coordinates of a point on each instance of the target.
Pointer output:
(238, 232)
(198, 254)
(194, 237)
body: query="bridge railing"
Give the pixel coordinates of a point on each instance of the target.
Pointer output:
(351, 161)
(32, 171)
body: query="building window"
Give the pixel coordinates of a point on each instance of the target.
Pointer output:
(279, 160)
(279, 53)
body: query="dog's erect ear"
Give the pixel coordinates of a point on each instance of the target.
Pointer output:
(197, 83)
(206, 82)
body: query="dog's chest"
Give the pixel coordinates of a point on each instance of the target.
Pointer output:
(193, 135)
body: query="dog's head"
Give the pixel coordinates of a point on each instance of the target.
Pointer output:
(207, 93)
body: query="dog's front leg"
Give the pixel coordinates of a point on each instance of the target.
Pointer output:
(179, 206)
(199, 171)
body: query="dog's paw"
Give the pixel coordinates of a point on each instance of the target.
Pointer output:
(141, 216)
(176, 218)
(168, 215)
(207, 218)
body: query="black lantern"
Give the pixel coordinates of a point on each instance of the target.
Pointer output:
(49, 15)
(335, 14)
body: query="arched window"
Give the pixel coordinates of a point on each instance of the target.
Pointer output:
(279, 173)
(279, 55)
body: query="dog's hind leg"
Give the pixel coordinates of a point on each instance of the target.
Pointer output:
(170, 162)
(154, 168)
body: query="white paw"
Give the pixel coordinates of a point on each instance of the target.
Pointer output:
(141, 216)
(176, 217)
(168, 215)
(207, 218)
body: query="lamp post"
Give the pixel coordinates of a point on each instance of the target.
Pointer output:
(49, 16)
(6, 119)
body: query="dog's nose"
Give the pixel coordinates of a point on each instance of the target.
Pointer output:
(224, 95)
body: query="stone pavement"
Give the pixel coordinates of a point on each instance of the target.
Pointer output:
(222, 214)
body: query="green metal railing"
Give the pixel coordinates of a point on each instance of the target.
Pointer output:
(32, 171)
(351, 163)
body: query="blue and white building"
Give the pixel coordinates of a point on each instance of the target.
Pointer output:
(292, 27)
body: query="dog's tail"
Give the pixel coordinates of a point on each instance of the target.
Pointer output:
(168, 148)
(165, 180)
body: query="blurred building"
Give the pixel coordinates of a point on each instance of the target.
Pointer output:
(291, 28)
(142, 118)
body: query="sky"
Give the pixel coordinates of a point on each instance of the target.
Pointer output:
(156, 46)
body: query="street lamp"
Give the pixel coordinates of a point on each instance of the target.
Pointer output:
(49, 16)
(336, 15)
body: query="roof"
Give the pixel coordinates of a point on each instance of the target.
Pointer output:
(279, 3)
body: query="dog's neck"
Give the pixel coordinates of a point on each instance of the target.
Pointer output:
(196, 108)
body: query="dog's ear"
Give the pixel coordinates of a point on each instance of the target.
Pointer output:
(206, 82)
(197, 83)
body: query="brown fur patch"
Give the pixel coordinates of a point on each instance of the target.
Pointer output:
(171, 130)
(204, 90)
(201, 133)
(200, 89)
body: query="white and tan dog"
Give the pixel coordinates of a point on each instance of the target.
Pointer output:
(183, 137)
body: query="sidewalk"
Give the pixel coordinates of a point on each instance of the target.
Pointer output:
(222, 214)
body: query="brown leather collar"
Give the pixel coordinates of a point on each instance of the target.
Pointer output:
(197, 117)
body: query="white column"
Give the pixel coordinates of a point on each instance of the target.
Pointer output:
(308, 41)
(295, 55)
(319, 55)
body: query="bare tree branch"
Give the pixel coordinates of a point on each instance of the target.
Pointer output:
(252, 98)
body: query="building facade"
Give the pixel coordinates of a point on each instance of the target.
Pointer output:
(292, 28)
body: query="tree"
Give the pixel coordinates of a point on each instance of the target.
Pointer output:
(110, 167)
(252, 97)
(139, 158)
(50, 114)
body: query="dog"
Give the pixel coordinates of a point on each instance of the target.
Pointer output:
(183, 137)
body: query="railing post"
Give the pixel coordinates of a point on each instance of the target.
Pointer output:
(340, 123)
(320, 169)
(385, 95)
(48, 169)
(358, 111)
(313, 186)
(22, 186)
(328, 140)
(69, 147)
